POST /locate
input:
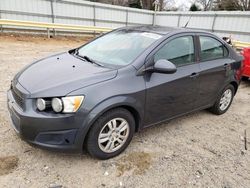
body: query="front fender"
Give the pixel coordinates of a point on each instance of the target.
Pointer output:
(104, 106)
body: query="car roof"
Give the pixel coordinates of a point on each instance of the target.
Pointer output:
(162, 30)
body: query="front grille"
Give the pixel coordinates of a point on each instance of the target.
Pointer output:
(19, 100)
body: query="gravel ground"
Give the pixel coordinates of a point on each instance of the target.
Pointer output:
(197, 150)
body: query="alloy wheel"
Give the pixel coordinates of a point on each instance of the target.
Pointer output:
(226, 99)
(113, 135)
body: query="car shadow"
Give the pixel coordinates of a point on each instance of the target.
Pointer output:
(144, 134)
(171, 124)
(245, 82)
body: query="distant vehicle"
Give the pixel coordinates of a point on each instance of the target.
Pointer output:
(99, 94)
(246, 71)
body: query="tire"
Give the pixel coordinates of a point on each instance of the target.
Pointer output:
(218, 107)
(99, 145)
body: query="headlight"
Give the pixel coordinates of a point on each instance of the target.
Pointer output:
(72, 104)
(64, 104)
(41, 104)
(57, 104)
(67, 104)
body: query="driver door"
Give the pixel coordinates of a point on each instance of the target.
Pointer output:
(170, 95)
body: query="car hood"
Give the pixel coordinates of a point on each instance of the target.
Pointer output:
(61, 74)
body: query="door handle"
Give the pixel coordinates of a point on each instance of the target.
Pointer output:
(194, 75)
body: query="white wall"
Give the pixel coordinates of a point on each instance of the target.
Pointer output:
(236, 24)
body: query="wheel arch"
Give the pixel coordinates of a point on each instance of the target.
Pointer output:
(129, 104)
(134, 113)
(235, 85)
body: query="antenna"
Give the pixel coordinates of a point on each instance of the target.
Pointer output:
(188, 21)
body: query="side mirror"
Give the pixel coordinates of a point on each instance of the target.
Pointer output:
(164, 66)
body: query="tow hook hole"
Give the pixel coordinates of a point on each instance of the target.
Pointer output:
(73, 66)
(66, 140)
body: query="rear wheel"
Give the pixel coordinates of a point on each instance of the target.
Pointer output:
(224, 101)
(111, 134)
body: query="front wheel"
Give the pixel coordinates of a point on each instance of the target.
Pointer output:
(224, 101)
(111, 134)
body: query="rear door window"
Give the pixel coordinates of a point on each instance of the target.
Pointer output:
(211, 49)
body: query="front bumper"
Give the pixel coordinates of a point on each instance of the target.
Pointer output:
(48, 130)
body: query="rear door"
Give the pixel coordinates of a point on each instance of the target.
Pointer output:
(169, 95)
(215, 65)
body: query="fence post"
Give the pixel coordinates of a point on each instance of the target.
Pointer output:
(154, 17)
(215, 15)
(126, 17)
(52, 15)
(179, 19)
(94, 15)
(1, 26)
(94, 18)
(48, 33)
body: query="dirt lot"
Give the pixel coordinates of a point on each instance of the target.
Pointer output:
(198, 150)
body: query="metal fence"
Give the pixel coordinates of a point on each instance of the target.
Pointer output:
(79, 12)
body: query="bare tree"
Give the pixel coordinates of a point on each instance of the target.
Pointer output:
(113, 2)
(144, 4)
(243, 4)
(206, 4)
(147, 4)
(226, 5)
(163, 4)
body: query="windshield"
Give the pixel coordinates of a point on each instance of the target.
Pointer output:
(118, 48)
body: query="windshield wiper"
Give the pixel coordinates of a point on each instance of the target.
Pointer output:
(92, 61)
(88, 59)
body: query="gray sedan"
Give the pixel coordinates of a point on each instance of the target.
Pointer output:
(98, 95)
